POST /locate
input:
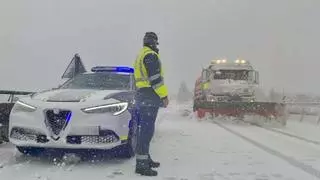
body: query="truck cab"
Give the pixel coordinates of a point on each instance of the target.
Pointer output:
(224, 80)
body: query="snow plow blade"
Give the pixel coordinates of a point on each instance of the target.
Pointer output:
(252, 112)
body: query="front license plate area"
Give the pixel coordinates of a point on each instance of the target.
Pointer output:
(88, 130)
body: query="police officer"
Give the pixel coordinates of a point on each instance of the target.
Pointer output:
(151, 94)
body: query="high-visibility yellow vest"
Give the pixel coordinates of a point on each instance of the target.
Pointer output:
(141, 77)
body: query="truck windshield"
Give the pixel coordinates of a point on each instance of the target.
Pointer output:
(100, 81)
(232, 74)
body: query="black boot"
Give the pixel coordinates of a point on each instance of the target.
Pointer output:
(143, 168)
(153, 164)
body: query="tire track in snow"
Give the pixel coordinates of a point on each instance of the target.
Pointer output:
(289, 135)
(304, 167)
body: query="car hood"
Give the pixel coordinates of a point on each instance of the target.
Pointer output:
(73, 95)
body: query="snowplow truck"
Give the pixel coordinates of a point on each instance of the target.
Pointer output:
(231, 89)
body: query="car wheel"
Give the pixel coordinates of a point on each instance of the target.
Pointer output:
(3, 135)
(31, 151)
(132, 140)
(128, 150)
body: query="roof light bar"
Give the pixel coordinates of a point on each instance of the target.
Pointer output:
(122, 69)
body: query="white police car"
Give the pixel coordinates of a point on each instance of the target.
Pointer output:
(90, 111)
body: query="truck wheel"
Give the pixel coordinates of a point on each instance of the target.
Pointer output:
(194, 108)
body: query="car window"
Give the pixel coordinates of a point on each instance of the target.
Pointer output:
(101, 81)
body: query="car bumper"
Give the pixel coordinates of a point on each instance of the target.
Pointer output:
(84, 131)
(64, 145)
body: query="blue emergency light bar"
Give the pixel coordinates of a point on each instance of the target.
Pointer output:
(121, 69)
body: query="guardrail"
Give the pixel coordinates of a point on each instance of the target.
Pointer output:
(305, 109)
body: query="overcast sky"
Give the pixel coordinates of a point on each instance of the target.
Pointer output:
(280, 37)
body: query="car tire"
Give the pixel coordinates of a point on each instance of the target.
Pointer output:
(128, 150)
(3, 135)
(31, 151)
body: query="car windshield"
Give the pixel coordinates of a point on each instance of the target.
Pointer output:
(100, 81)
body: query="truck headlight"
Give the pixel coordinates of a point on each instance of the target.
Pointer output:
(115, 109)
(24, 107)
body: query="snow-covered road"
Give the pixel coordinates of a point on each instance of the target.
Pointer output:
(187, 149)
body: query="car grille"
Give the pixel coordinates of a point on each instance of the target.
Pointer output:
(92, 139)
(98, 139)
(24, 134)
(57, 121)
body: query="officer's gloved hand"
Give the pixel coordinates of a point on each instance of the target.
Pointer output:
(165, 102)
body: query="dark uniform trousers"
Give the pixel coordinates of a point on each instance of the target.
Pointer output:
(147, 107)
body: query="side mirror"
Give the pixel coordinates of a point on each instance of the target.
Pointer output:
(256, 79)
(204, 75)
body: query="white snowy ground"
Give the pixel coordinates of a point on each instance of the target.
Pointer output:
(307, 128)
(188, 150)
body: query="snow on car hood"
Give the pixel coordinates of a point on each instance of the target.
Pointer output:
(73, 95)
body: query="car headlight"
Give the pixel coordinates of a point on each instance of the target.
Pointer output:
(115, 109)
(24, 107)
